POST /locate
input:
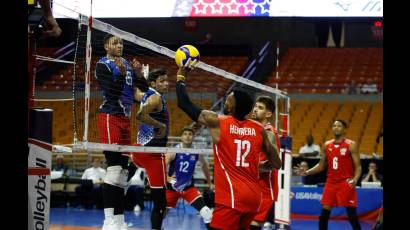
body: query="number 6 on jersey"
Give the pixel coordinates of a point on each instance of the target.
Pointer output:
(240, 158)
(335, 163)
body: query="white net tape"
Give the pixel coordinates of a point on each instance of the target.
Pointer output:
(99, 25)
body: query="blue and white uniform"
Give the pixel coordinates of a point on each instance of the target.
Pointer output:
(183, 165)
(118, 91)
(146, 133)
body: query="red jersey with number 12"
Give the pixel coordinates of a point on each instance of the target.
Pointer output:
(339, 161)
(236, 167)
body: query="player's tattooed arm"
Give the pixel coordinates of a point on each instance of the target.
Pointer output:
(209, 118)
(271, 150)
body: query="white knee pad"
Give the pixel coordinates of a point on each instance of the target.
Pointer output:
(116, 176)
(206, 214)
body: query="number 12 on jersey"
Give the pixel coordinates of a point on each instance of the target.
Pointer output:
(183, 166)
(240, 156)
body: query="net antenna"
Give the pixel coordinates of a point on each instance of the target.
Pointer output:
(88, 74)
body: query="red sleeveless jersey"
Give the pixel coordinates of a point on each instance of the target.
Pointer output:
(269, 181)
(236, 166)
(340, 166)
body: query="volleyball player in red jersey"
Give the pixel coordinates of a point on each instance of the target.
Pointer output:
(262, 112)
(344, 169)
(238, 143)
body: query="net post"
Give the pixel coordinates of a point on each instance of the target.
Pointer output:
(87, 76)
(283, 204)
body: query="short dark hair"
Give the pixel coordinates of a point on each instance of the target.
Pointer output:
(188, 128)
(155, 73)
(243, 104)
(107, 38)
(268, 102)
(344, 123)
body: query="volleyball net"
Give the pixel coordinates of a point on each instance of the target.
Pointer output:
(207, 85)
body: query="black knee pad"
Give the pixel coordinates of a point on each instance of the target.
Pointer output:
(198, 204)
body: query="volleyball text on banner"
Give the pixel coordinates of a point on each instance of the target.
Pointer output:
(39, 183)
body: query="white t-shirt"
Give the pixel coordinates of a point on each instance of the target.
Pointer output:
(309, 149)
(95, 174)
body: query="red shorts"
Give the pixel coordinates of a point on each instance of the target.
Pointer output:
(224, 217)
(339, 195)
(154, 165)
(190, 195)
(114, 129)
(266, 205)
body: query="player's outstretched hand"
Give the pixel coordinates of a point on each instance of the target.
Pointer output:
(299, 170)
(171, 179)
(161, 131)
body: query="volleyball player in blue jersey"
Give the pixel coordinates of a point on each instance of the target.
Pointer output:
(180, 181)
(118, 80)
(153, 131)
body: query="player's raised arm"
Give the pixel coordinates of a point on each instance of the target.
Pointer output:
(152, 104)
(205, 117)
(356, 162)
(140, 83)
(53, 29)
(271, 150)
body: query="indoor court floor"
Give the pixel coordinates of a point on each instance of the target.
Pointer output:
(184, 217)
